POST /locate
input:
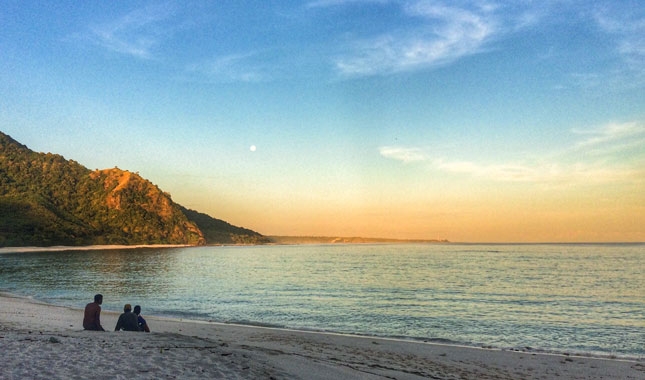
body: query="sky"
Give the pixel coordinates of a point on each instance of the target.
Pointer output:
(472, 121)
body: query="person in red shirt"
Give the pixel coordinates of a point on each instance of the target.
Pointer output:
(92, 317)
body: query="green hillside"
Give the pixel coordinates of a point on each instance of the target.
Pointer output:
(47, 200)
(220, 232)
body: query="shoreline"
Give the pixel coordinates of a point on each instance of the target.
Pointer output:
(411, 340)
(62, 248)
(37, 337)
(402, 339)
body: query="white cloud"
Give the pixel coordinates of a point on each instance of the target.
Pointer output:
(403, 154)
(446, 33)
(440, 32)
(611, 133)
(513, 172)
(625, 140)
(543, 172)
(612, 153)
(135, 34)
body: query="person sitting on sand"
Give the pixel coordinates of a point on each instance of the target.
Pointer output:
(143, 326)
(92, 317)
(128, 320)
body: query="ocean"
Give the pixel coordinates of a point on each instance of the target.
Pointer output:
(560, 298)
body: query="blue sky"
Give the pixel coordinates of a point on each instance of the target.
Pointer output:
(464, 120)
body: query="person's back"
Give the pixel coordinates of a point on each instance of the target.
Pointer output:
(143, 325)
(128, 320)
(92, 315)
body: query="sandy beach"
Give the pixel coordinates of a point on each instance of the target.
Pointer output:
(42, 341)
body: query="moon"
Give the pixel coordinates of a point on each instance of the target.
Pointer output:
(253, 148)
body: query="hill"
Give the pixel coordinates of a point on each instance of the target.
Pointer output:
(217, 231)
(47, 200)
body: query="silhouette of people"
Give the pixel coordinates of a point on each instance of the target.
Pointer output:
(127, 320)
(143, 325)
(92, 316)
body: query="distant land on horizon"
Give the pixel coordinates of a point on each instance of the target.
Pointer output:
(287, 240)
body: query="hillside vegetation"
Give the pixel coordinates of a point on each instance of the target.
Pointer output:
(47, 200)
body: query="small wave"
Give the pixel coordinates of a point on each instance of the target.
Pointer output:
(256, 324)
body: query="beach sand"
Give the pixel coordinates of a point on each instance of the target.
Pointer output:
(41, 341)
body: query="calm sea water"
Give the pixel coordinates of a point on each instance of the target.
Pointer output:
(556, 298)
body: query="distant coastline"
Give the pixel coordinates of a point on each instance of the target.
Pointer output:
(289, 240)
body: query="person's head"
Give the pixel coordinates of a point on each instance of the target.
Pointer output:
(137, 309)
(98, 298)
(127, 307)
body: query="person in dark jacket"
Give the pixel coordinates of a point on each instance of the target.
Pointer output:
(143, 325)
(92, 316)
(128, 320)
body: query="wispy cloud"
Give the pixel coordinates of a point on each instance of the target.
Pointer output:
(445, 34)
(403, 154)
(231, 68)
(629, 29)
(611, 153)
(136, 33)
(614, 138)
(506, 172)
(515, 172)
(332, 3)
(611, 133)
(625, 25)
(545, 173)
(441, 32)
(541, 172)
